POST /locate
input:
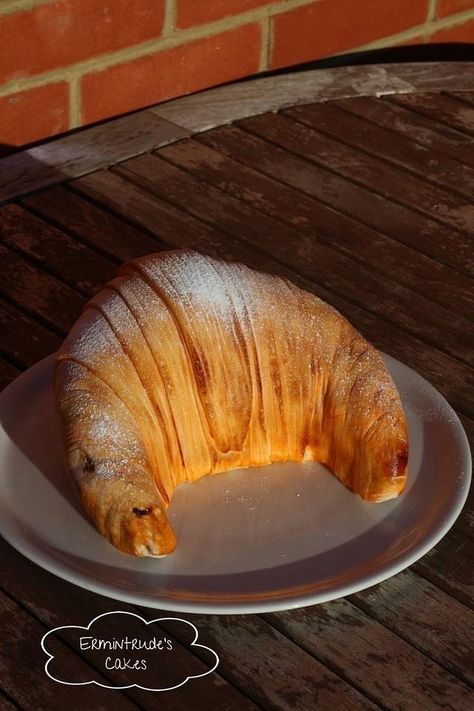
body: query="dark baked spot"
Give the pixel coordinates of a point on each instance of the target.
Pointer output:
(89, 465)
(201, 371)
(401, 463)
(141, 512)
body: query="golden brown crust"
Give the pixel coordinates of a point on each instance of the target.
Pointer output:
(185, 365)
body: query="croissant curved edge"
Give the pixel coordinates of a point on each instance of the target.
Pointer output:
(185, 365)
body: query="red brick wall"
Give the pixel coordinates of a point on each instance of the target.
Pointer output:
(68, 63)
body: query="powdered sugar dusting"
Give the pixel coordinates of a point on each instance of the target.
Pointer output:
(91, 338)
(254, 370)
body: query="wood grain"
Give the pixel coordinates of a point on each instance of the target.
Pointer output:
(440, 108)
(345, 638)
(24, 341)
(91, 224)
(215, 107)
(83, 151)
(194, 190)
(424, 616)
(444, 244)
(468, 425)
(449, 566)
(427, 163)
(464, 96)
(465, 523)
(56, 252)
(381, 179)
(37, 292)
(252, 652)
(406, 123)
(170, 225)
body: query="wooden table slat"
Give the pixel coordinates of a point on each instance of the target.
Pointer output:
(37, 292)
(24, 341)
(252, 651)
(316, 225)
(230, 213)
(448, 245)
(381, 178)
(449, 566)
(466, 97)
(424, 616)
(439, 108)
(465, 523)
(468, 424)
(404, 122)
(345, 638)
(60, 255)
(215, 107)
(427, 163)
(83, 151)
(169, 224)
(91, 224)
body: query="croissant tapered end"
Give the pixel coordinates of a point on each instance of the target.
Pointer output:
(145, 532)
(390, 480)
(184, 366)
(109, 465)
(138, 528)
(141, 530)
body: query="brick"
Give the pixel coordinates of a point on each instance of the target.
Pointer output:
(170, 73)
(67, 31)
(31, 115)
(326, 27)
(198, 12)
(458, 33)
(451, 7)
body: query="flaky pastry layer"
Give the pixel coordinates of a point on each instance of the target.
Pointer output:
(184, 366)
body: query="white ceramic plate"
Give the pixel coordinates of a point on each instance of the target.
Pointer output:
(261, 539)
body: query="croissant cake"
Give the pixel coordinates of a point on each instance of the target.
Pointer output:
(184, 365)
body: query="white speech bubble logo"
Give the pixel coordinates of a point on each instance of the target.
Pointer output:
(194, 643)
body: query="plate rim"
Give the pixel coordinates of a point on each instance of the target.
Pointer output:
(212, 606)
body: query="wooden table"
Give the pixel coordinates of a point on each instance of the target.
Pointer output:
(366, 201)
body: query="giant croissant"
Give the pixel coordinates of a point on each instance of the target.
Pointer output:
(184, 366)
